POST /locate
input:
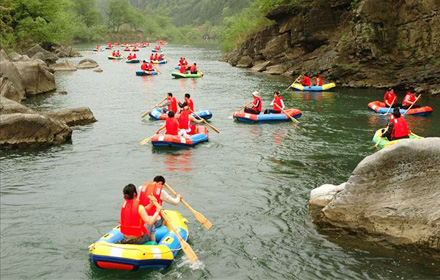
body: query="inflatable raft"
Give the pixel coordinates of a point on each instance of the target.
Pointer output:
(133, 61)
(300, 87)
(154, 50)
(175, 141)
(384, 142)
(115, 57)
(252, 118)
(106, 254)
(98, 50)
(157, 114)
(381, 108)
(145, 73)
(159, 61)
(180, 75)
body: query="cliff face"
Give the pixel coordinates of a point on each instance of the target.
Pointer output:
(358, 43)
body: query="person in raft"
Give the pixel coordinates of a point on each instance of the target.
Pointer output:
(188, 102)
(182, 69)
(390, 98)
(144, 66)
(171, 104)
(193, 68)
(133, 217)
(151, 57)
(257, 104)
(150, 66)
(277, 103)
(134, 56)
(117, 53)
(129, 57)
(160, 57)
(171, 125)
(127, 48)
(155, 189)
(306, 81)
(185, 120)
(409, 100)
(156, 56)
(113, 53)
(397, 127)
(318, 81)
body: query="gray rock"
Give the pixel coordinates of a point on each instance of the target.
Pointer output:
(35, 76)
(260, 65)
(63, 66)
(99, 70)
(87, 64)
(62, 92)
(392, 197)
(76, 116)
(244, 62)
(276, 69)
(65, 51)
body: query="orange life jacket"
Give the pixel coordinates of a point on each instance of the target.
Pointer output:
(409, 97)
(147, 190)
(131, 221)
(277, 101)
(260, 105)
(171, 126)
(306, 81)
(150, 66)
(390, 97)
(182, 69)
(129, 57)
(400, 128)
(192, 68)
(184, 120)
(144, 66)
(151, 57)
(173, 104)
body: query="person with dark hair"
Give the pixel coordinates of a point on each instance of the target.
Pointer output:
(257, 104)
(133, 217)
(170, 104)
(306, 81)
(171, 125)
(193, 68)
(188, 102)
(185, 120)
(397, 127)
(155, 189)
(390, 98)
(277, 103)
(409, 100)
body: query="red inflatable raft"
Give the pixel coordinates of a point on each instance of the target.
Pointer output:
(381, 108)
(166, 140)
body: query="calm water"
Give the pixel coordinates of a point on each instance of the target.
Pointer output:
(251, 181)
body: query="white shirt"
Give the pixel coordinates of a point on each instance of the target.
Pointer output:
(165, 197)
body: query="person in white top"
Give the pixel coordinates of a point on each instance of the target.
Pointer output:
(277, 104)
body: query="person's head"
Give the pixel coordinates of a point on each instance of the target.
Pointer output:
(130, 191)
(187, 95)
(144, 61)
(256, 94)
(159, 179)
(170, 94)
(396, 112)
(170, 114)
(276, 93)
(195, 64)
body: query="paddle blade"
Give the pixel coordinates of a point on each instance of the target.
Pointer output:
(199, 217)
(145, 141)
(146, 113)
(189, 252)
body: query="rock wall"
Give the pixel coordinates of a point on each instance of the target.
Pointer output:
(392, 197)
(378, 43)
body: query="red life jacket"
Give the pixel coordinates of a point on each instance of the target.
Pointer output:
(157, 48)
(129, 57)
(400, 128)
(277, 101)
(319, 81)
(260, 105)
(184, 120)
(150, 189)
(134, 56)
(306, 81)
(117, 53)
(144, 66)
(113, 53)
(390, 97)
(161, 57)
(192, 69)
(190, 104)
(181, 62)
(182, 69)
(408, 97)
(127, 48)
(151, 57)
(172, 126)
(173, 104)
(150, 66)
(109, 45)
(131, 221)
(155, 56)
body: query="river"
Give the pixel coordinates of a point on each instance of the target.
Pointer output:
(251, 181)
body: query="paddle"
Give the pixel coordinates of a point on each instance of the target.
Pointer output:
(189, 252)
(207, 224)
(292, 118)
(211, 126)
(157, 105)
(146, 140)
(390, 107)
(412, 104)
(293, 82)
(377, 144)
(241, 108)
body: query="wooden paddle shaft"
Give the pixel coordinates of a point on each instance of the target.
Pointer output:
(292, 118)
(412, 104)
(211, 126)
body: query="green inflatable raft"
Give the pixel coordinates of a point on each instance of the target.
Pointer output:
(180, 75)
(383, 142)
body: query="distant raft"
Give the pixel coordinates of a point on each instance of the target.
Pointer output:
(180, 75)
(300, 87)
(157, 114)
(154, 50)
(163, 61)
(165, 140)
(145, 73)
(132, 60)
(115, 57)
(381, 108)
(253, 118)
(98, 50)
(107, 254)
(384, 142)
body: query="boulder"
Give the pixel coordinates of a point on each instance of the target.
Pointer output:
(37, 52)
(321, 197)
(260, 65)
(62, 92)
(76, 116)
(8, 106)
(244, 62)
(65, 51)
(391, 197)
(99, 70)
(87, 64)
(276, 69)
(63, 66)
(9, 72)
(8, 90)
(35, 76)
(276, 46)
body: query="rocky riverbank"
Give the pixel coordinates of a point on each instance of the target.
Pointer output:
(22, 76)
(355, 43)
(392, 198)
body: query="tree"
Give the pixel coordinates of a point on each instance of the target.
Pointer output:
(117, 12)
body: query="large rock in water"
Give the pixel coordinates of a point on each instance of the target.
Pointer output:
(87, 63)
(37, 52)
(392, 197)
(63, 66)
(76, 116)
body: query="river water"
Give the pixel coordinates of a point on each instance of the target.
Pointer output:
(251, 181)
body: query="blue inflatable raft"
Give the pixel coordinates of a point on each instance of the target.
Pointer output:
(145, 73)
(157, 114)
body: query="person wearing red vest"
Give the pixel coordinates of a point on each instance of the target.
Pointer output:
(126, 48)
(155, 189)
(113, 53)
(117, 53)
(188, 102)
(181, 61)
(144, 66)
(129, 57)
(171, 125)
(257, 104)
(185, 119)
(151, 57)
(109, 45)
(185, 62)
(390, 98)
(134, 56)
(408, 100)
(171, 103)
(193, 69)
(160, 57)
(150, 66)
(277, 103)
(157, 47)
(318, 81)
(306, 81)
(133, 217)
(182, 69)
(397, 127)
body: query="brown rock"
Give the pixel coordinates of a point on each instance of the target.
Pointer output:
(87, 64)
(276, 46)
(99, 70)
(63, 66)
(260, 65)
(35, 76)
(244, 62)
(76, 116)
(276, 69)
